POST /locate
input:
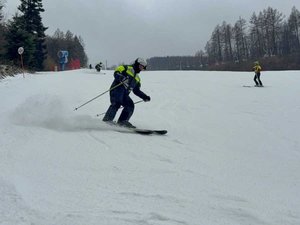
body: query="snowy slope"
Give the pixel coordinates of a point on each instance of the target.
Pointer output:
(231, 155)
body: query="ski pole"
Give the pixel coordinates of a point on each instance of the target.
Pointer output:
(120, 108)
(99, 95)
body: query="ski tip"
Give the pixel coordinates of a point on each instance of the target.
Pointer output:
(161, 132)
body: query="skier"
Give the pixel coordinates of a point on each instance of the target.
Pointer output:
(257, 69)
(98, 66)
(126, 79)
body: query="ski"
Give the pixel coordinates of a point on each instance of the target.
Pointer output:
(136, 130)
(148, 131)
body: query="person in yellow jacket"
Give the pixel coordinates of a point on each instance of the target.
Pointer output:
(257, 70)
(126, 79)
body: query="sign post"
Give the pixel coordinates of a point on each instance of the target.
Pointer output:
(63, 58)
(21, 51)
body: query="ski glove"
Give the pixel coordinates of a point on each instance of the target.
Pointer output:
(147, 98)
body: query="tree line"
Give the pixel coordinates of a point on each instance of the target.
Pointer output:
(26, 30)
(268, 37)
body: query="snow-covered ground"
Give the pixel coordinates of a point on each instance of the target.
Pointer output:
(231, 155)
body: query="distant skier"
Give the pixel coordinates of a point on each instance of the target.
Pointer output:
(126, 79)
(90, 66)
(98, 66)
(257, 69)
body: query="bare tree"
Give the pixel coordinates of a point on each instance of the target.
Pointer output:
(227, 38)
(294, 28)
(256, 36)
(272, 27)
(240, 37)
(214, 46)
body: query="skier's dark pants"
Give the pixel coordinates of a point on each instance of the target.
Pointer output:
(119, 97)
(257, 79)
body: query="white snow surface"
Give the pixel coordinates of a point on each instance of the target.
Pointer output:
(231, 155)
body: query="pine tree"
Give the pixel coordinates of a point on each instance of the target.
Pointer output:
(1, 13)
(17, 37)
(31, 10)
(2, 30)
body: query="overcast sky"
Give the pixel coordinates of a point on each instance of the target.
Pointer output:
(119, 31)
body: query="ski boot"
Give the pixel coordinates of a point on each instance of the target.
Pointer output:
(126, 124)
